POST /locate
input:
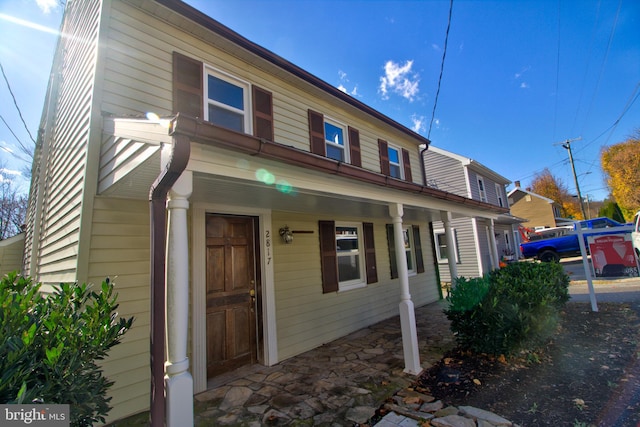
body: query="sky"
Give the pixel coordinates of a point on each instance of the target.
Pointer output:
(519, 78)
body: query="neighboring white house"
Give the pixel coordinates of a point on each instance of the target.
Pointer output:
(479, 243)
(257, 173)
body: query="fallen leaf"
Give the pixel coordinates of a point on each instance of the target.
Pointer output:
(412, 399)
(476, 381)
(447, 360)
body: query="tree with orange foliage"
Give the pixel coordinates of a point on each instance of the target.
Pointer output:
(621, 166)
(547, 185)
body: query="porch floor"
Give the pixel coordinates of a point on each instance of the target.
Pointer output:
(340, 383)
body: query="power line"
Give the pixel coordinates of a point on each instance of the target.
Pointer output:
(24, 149)
(16, 104)
(444, 54)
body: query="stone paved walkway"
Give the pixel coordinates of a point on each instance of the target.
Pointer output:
(341, 383)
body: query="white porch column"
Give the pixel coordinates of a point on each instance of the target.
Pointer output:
(178, 381)
(493, 246)
(407, 312)
(451, 250)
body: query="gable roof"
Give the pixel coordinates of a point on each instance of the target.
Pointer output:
(519, 189)
(475, 165)
(216, 27)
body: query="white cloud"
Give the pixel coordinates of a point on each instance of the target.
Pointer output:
(435, 47)
(524, 85)
(524, 70)
(343, 79)
(419, 124)
(399, 79)
(47, 5)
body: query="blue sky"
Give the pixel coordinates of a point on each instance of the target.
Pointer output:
(520, 77)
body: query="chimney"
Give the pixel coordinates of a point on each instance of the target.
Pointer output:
(517, 183)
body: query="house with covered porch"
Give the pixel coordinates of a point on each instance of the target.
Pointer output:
(246, 210)
(477, 243)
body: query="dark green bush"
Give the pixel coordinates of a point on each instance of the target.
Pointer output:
(49, 345)
(511, 309)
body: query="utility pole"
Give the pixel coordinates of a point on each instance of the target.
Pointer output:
(567, 146)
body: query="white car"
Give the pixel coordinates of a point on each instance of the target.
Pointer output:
(635, 234)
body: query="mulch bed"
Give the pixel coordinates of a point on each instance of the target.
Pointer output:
(589, 374)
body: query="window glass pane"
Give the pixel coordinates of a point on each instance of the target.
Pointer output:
(348, 250)
(348, 268)
(333, 133)
(394, 171)
(226, 118)
(442, 246)
(335, 153)
(346, 239)
(225, 92)
(393, 155)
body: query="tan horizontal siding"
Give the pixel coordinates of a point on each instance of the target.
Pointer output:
(151, 43)
(120, 248)
(306, 317)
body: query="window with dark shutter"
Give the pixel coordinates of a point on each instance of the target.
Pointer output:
(418, 249)
(187, 86)
(392, 251)
(384, 157)
(370, 253)
(406, 165)
(316, 133)
(262, 113)
(328, 256)
(354, 147)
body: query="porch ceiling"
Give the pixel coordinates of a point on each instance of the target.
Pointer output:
(223, 190)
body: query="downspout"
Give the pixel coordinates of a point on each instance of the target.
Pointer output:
(422, 167)
(180, 152)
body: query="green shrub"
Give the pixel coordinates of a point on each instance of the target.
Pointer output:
(49, 345)
(511, 309)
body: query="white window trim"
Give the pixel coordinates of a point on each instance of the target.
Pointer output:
(482, 188)
(438, 232)
(499, 195)
(411, 252)
(362, 281)
(246, 86)
(400, 166)
(345, 138)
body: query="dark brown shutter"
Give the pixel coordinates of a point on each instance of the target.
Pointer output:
(369, 252)
(392, 251)
(354, 147)
(262, 113)
(328, 256)
(384, 157)
(187, 86)
(417, 246)
(407, 165)
(316, 133)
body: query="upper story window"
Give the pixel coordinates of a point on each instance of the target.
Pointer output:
(227, 101)
(220, 98)
(395, 162)
(336, 144)
(499, 194)
(481, 190)
(334, 140)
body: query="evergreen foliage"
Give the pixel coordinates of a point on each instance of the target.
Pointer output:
(49, 345)
(511, 309)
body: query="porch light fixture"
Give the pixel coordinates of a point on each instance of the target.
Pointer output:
(286, 234)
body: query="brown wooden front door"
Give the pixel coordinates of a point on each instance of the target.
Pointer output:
(231, 288)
